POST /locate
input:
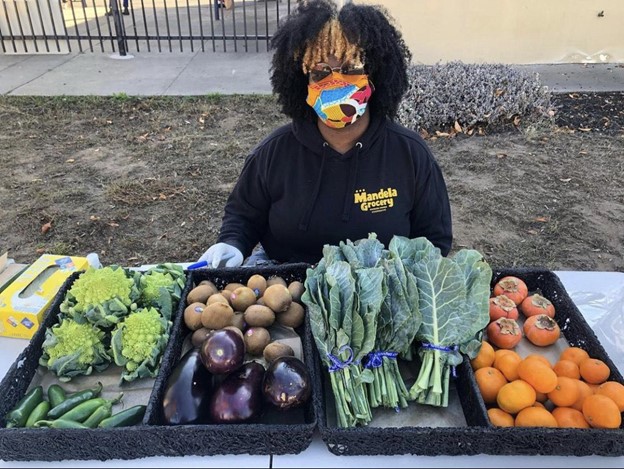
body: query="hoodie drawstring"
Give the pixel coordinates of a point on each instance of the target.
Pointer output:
(304, 223)
(353, 168)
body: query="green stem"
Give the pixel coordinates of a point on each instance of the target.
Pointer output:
(339, 401)
(437, 372)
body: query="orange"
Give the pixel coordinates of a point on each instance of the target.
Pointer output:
(567, 368)
(576, 354)
(500, 418)
(537, 374)
(489, 380)
(535, 417)
(507, 364)
(593, 387)
(565, 393)
(500, 352)
(541, 396)
(615, 391)
(537, 356)
(594, 371)
(567, 417)
(485, 357)
(584, 391)
(515, 396)
(601, 412)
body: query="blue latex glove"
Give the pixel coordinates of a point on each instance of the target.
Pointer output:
(222, 255)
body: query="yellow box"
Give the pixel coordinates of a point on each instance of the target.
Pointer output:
(24, 301)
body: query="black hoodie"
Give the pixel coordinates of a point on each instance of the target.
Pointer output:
(295, 193)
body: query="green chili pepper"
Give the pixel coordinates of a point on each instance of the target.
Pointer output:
(124, 418)
(73, 400)
(20, 413)
(39, 413)
(59, 423)
(82, 411)
(56, 395)
(98, 415)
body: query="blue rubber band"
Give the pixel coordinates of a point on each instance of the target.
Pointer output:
(338, 364)
(443, 348)
(375, 359)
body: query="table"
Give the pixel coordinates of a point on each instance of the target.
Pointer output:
(598, 295)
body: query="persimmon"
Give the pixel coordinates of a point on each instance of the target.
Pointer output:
(504, 333)
(512, 287)
(489, 380)
(567, 417)
(485, 357)
(565, 393)
(502, 306)
(536, 304)
(584, 391)
(541, 330)
(538, 404)
(500, 418)
(575, 354)
(614, 390)
(537, 374)
(601, 412)
(567, 368)
(594, 371)
(515, 396)
(507, 364)
(535, 417)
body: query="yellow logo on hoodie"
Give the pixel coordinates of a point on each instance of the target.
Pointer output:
(377, 201)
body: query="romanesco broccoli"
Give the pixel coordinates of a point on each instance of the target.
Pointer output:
(161, 287)
(72, 349)
(101, 296)
(138, 343)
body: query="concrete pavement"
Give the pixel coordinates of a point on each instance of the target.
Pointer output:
(198, 73)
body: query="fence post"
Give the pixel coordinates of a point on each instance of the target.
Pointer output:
(120, 30)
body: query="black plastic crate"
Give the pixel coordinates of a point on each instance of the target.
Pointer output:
(283, 435)
(480, 436)
(276, 433)
(43, 444)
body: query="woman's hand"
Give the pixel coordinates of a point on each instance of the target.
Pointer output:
(222, 255)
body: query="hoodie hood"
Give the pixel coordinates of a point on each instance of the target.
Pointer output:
(308, 134)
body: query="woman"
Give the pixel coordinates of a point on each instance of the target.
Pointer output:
(342, 169)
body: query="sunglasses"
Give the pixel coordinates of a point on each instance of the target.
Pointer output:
(322, 70)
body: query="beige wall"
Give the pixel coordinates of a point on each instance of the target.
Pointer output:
(510, 31)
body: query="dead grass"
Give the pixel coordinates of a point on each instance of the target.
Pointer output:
(145, 181)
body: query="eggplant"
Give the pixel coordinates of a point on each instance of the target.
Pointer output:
(238, 398)
(188, 391)
(223, 351)
(287, 383)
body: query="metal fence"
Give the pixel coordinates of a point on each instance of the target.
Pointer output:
(126, 26)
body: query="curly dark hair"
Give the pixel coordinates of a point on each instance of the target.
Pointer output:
(368, 27)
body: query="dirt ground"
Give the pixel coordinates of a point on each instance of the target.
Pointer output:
(143, 181)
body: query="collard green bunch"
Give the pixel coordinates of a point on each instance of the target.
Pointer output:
(71, 349)
(101, 297)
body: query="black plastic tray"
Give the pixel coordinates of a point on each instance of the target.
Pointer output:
(480, 436)
(151, 438)
(276, 433)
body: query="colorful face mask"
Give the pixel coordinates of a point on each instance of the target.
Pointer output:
(340, 100)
